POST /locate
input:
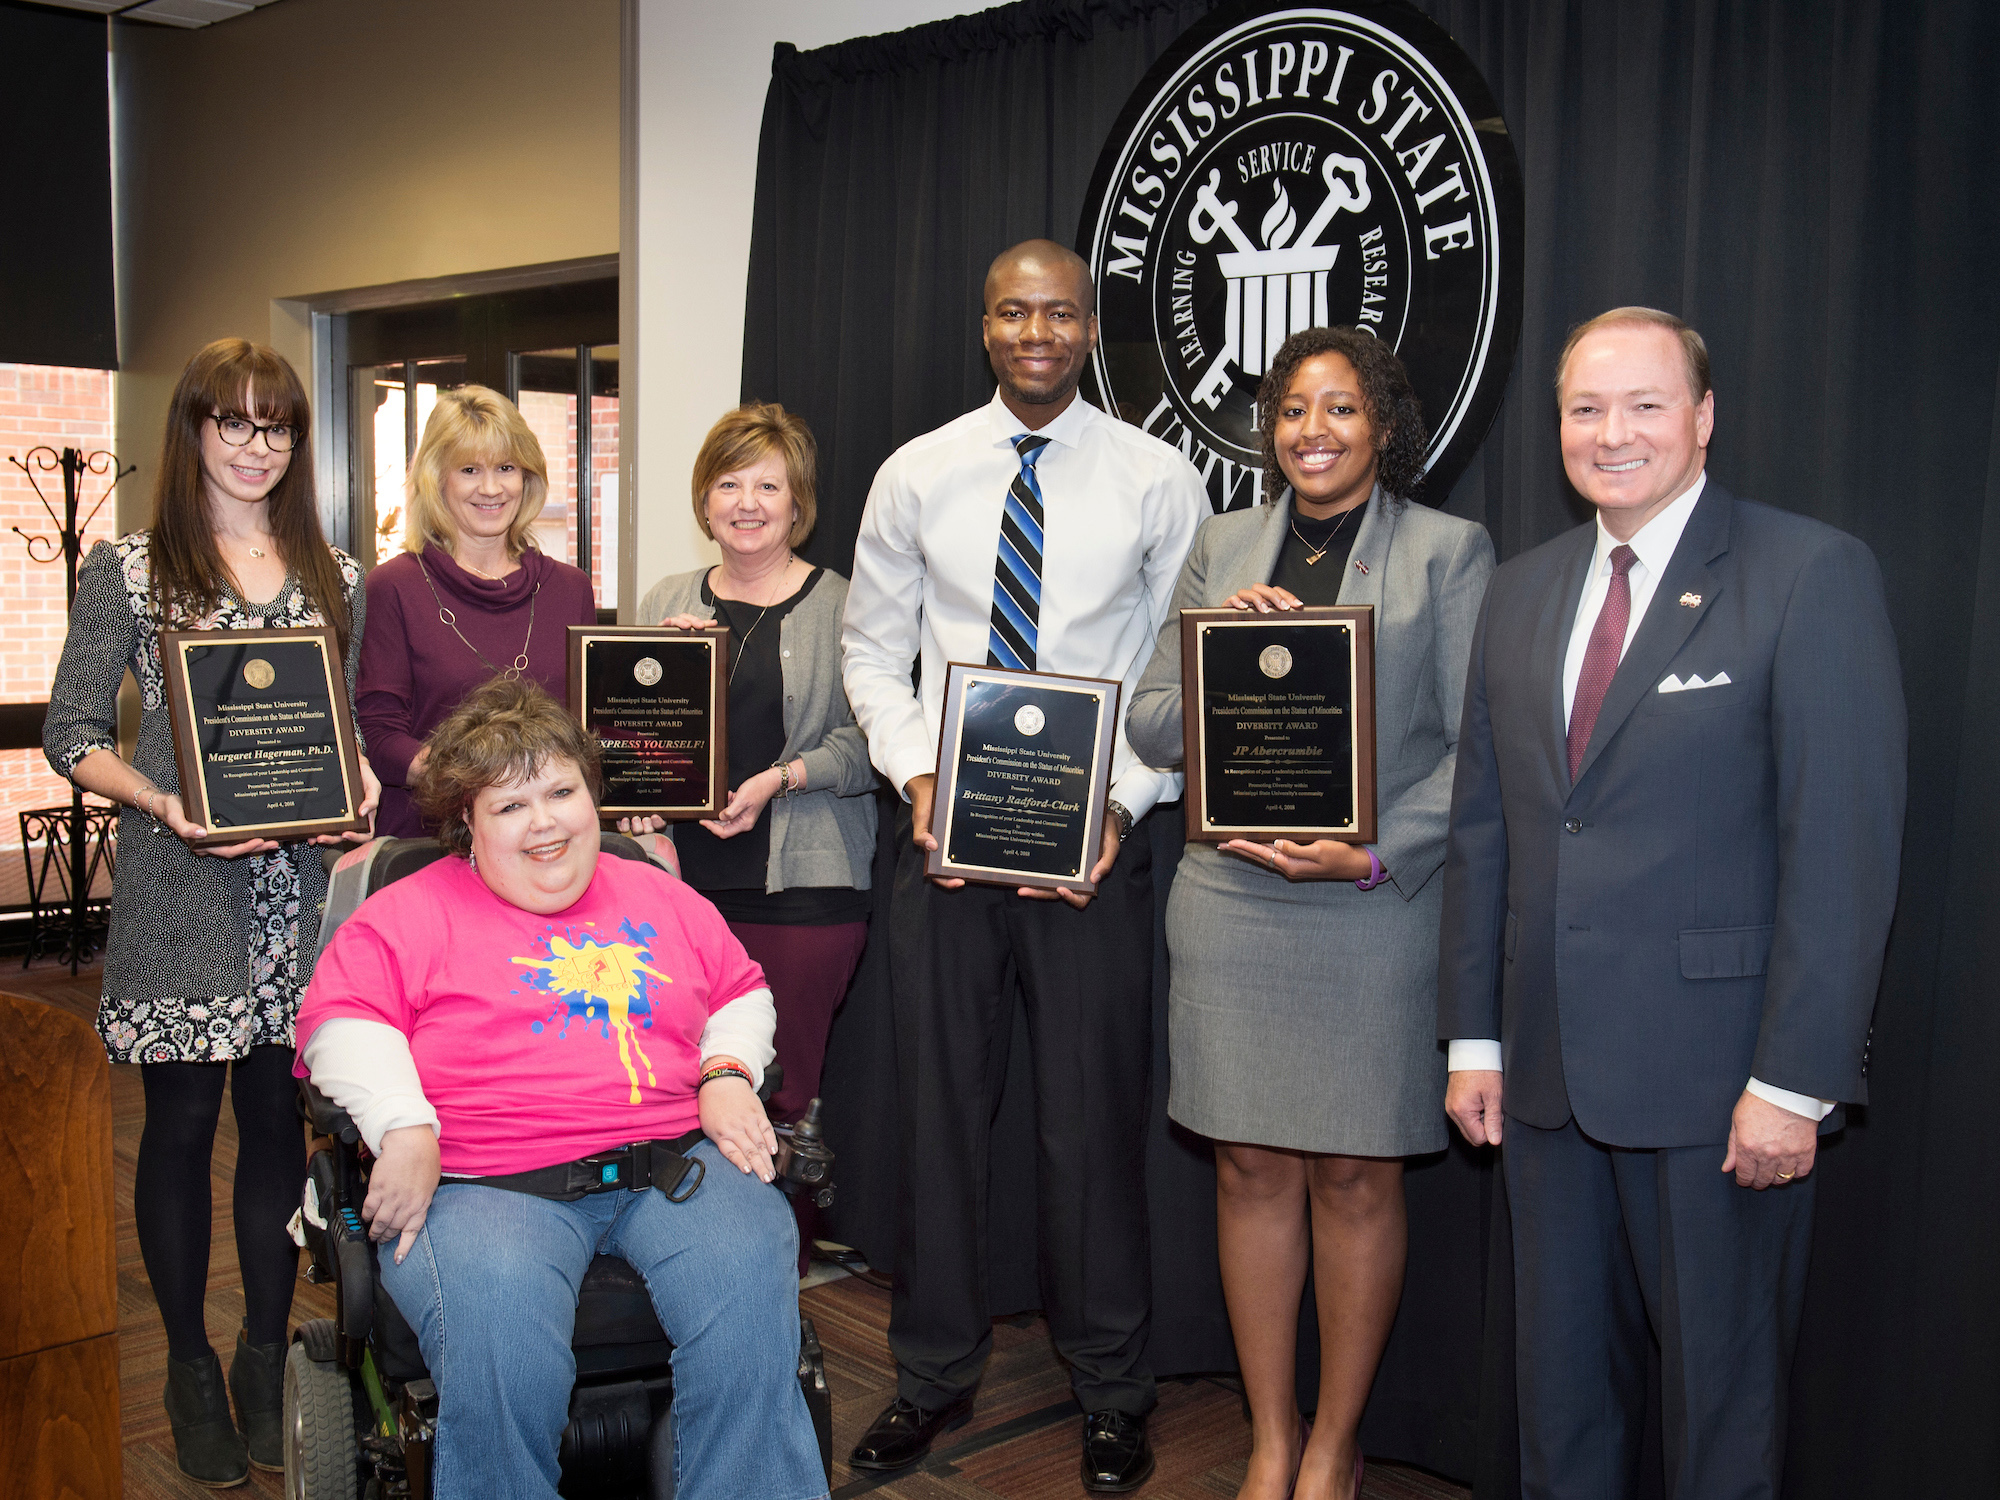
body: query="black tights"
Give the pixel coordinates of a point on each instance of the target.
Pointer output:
(171, 1195)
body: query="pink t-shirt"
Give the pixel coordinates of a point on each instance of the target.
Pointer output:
(539, 1039)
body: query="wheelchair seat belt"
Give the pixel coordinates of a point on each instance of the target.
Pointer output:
(643, 1164)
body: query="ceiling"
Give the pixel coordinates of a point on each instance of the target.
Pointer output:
(185, 13)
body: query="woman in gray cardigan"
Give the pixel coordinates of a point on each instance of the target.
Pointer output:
(788, 861)
(1303, 994)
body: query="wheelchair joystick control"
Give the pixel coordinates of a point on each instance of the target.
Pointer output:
(805, 1162)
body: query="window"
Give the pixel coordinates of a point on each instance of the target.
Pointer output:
(552, 349)
(60, 408)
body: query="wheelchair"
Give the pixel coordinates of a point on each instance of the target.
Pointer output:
(360, 1412)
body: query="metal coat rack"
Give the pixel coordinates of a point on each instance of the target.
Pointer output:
(68, 543)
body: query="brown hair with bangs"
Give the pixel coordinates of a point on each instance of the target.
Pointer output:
(748, 435)
(504, 731)
(236, 378)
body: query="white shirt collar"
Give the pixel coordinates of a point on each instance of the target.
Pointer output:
(1655, 541)
(1066, 429)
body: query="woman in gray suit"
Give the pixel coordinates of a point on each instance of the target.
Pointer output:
(1302, 1009)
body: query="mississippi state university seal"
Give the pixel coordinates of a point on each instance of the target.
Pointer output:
(1286, 167)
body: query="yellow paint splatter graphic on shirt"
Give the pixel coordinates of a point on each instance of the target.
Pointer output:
(599, 981)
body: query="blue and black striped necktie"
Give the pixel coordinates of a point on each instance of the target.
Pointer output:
(1017, 573)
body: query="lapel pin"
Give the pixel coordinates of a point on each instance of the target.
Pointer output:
(1690, 601)
(1360, 567)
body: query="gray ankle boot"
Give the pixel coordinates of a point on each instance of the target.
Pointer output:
(206, 1444)
(257, 1381)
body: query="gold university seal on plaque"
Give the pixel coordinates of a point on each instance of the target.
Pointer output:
(257, 672)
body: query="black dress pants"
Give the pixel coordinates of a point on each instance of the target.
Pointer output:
(1615, 1247)
(1086, 982)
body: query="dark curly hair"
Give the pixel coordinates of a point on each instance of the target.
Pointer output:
(503, 731)
(1392, 406)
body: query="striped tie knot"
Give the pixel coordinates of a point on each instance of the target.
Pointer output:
(1017, 570)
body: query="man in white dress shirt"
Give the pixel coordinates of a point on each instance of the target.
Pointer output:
(1034, 532)
(1675, 831)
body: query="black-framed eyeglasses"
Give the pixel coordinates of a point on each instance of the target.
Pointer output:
(237, 432)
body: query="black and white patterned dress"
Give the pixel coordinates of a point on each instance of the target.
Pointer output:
(207, 957)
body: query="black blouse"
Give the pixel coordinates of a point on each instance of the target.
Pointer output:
(1315, 583)
(731, 872)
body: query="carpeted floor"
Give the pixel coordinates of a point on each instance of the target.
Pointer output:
(1020, 1445)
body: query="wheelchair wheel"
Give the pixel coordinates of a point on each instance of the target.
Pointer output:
(322, 1448)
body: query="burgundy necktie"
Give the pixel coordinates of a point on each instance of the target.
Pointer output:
(1600, 657)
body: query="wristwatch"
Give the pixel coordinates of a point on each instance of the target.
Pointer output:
(1123, 814)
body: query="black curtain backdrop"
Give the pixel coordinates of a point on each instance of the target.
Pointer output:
(1809, 183)
(56, 305)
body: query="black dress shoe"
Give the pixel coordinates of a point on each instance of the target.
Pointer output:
(1116, 1455)
(904, 1432)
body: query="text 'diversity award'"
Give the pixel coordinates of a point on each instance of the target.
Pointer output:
(1278, 711)
(263, 739)
(656, 699)
(1024, 766)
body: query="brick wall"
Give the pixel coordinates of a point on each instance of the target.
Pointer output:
(40, 404)
(552, 418)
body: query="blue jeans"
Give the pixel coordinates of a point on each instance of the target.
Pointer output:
(490, 1286)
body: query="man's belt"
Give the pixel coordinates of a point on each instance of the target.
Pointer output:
(643, 1164)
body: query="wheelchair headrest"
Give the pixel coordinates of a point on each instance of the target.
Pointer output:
(363, 871)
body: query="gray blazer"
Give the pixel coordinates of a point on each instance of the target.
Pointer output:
(1426, 574)
(826, 834)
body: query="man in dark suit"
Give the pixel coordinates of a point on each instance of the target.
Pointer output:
(1674, 839)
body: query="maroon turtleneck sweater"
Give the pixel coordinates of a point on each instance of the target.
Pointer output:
(415, 669)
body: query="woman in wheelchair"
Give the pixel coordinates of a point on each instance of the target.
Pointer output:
(503, 1018)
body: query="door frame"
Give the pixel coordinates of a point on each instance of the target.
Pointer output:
(310, 329)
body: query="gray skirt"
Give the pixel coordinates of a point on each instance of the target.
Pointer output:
(1303, 1015)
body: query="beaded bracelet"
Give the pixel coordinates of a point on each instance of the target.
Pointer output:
(725, 1070)
(787, 787)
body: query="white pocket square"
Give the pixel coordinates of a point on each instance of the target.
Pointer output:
(1673, 684)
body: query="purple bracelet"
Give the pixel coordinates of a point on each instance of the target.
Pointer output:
(1376, 874)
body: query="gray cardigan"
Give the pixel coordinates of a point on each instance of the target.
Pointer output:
(1426, 577)
(825, 836)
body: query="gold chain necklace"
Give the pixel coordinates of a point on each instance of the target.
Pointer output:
(1312, 556)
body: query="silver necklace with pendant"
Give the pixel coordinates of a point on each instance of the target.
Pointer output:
(744, 643)
(446, 617)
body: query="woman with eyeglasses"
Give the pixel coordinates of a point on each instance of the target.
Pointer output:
(470, 598)
(209, 950)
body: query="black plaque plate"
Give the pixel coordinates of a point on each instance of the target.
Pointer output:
(1024, 766)
(1278, 712)
(657, 699)
(263, 737)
